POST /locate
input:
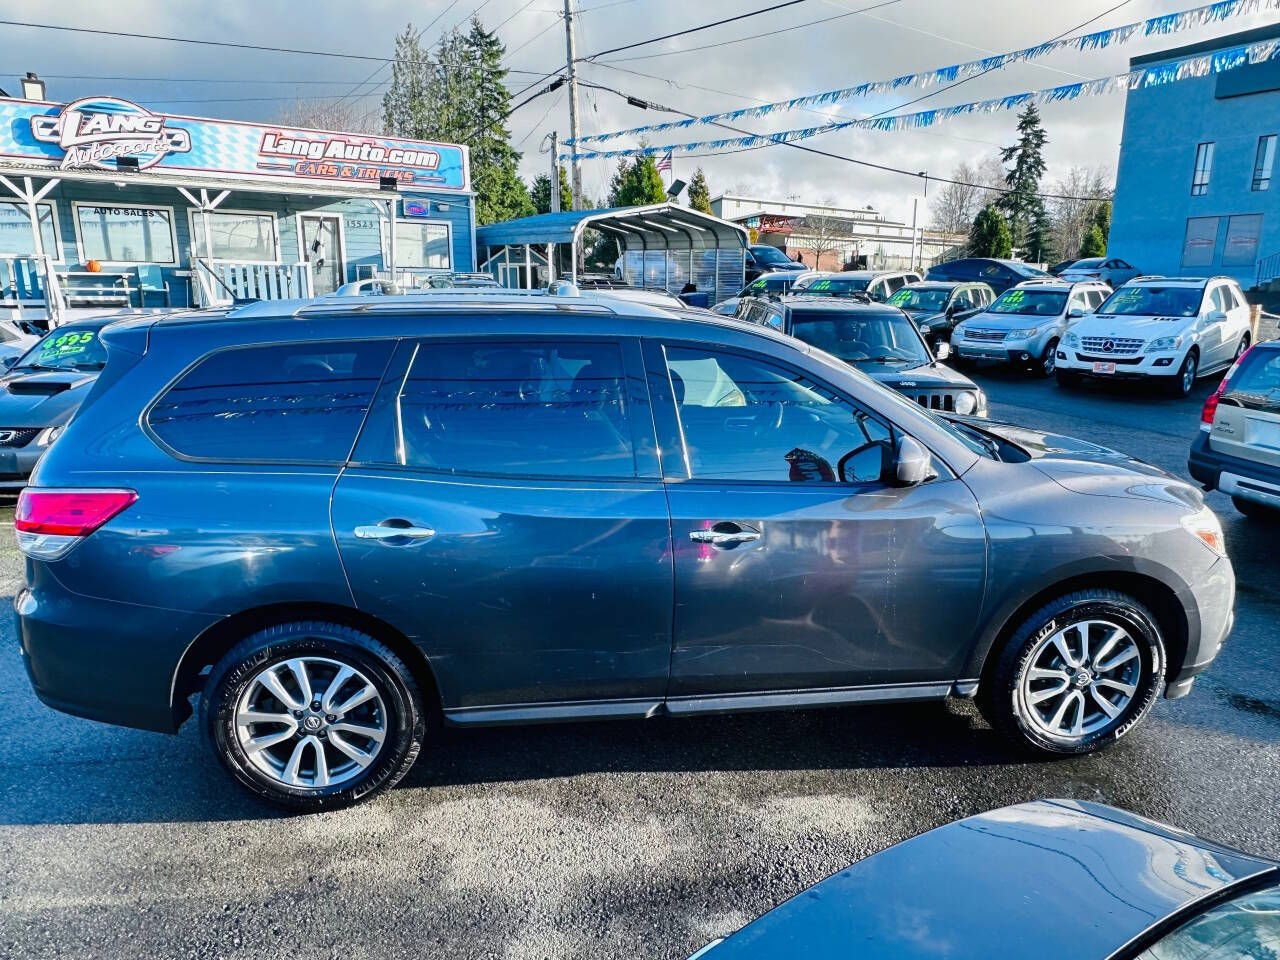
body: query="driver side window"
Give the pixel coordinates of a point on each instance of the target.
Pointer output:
(744, 418)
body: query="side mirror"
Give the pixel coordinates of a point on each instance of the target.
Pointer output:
(953, 310)
(8, 362)
(1075, 312)
(910, 465)
(942, 350)
(1216, 316)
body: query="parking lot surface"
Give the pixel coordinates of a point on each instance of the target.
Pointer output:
(627, 839)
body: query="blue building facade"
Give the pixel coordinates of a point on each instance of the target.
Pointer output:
(1198, 182)
(125, 198)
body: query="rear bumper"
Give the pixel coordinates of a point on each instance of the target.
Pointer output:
(101, 659)
(1234, 476)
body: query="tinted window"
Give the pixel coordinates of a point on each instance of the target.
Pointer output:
(746, 419)
(1150, 300)
(66, 349)
(1040, 303)
(1259, 376)
(771, 256)
(895, 283)
(836, 286)
(296, 402)
(956, 269)
(1246, 927)
(921, 299)
(870, 336)
(553, 410)
(768, 283)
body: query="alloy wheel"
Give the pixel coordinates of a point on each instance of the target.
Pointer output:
(1050, 361)
(310, 722)
(1189, 373)
(1081, 678)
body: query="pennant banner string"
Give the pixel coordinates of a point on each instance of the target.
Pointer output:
(1219, 61)
(1161, 25)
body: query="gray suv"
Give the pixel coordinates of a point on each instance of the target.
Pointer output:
(335, 520)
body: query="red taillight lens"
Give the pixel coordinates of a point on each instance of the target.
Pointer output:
(68, 513)
(1210, 407)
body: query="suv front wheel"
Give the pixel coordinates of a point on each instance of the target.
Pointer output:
(1076, 675)
(1185, 379)
(312, 715)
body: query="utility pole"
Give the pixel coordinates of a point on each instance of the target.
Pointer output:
(571, 56)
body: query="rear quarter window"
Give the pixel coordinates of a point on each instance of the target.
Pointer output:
(290, 403)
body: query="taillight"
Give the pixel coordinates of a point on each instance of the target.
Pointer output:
(50, 522)
(1211, 405)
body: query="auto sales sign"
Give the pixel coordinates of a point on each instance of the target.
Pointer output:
(97, 133)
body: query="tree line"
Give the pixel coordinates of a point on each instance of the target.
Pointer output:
(999, 203)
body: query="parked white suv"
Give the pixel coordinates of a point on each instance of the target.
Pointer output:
(1167, 329)
(1026, 323)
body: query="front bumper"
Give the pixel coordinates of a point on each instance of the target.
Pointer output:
(16, 464)
(1212, 598)
(1144, 366)
(1021, 350)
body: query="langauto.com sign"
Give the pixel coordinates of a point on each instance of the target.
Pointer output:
(97, 131)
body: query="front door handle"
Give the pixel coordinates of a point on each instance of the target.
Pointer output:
(726, 534)
(391, 530)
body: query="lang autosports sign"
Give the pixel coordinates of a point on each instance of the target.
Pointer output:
(97, 133)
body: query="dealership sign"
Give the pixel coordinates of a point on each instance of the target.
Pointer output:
(99, 132)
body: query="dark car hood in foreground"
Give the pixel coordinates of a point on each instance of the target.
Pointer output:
(1055, 878)
(42, 398)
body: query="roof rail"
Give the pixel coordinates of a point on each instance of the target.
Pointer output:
(442, 303)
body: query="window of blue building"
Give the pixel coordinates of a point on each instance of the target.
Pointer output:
(1204, 166)
(1264, 161)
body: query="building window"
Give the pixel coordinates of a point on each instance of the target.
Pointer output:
(1204, 166)
(1241, 248)
(1264, 161)
(17, 239)
(423, 244)
(236, 235)
(120, 234)
(1200, 240)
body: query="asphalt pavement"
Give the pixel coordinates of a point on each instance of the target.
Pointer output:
(624, 839)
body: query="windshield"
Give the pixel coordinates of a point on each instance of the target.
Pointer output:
(879, 337)
(768, 283)
(770, 255)
(930, 299)
(1257, 383)
(1149, 300)
(65, 349)
(1086, 264)
(831, 286)
(1040, 303)
(1246, 927)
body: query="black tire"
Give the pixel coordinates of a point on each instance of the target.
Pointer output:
(1182, 383)
(399, 708)
(1001, 696)
(1067, 378)
(1047, 365)
(1256, 511)
(1242, 346)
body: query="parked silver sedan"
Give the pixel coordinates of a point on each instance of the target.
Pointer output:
(1112, 271)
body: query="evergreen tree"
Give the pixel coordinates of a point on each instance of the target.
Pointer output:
(404, 103)
(989, 236)
(699, 192)
(1094, 243)
(1022, 205)
(1039, 247)
(540, 192)
(1102, 220)
(636, 183)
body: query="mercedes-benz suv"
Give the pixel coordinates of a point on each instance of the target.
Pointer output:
(334, 520)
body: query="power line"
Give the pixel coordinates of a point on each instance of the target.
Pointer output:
(689, 30)
(754, 36)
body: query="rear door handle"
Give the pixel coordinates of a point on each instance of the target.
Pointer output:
(727, 533)
(389, 530)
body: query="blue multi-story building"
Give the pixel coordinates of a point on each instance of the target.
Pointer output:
(1198, 187)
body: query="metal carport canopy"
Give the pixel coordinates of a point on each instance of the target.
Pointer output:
(662, 226)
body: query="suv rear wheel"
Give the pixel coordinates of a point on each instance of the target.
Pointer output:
(1076, 675)
(313, 715)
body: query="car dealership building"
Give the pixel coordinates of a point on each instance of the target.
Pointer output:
(103, 201)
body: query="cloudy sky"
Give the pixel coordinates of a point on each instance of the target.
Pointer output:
(899, 37)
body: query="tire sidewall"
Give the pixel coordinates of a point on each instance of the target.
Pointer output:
(1146, 636)
(230, 678)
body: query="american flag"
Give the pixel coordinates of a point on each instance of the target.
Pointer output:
(664, 164)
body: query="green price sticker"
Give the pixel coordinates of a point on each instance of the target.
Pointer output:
(66, 345)
(902, 296)
(1014, 296)
(822, 285)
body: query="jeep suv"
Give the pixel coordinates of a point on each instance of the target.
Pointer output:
(335, 520)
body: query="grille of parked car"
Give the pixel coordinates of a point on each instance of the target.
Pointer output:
(1111, 345)
(17, 436)
(993, 335)
(934, 400)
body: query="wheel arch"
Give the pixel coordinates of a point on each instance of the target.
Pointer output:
(210, 646)
(1158, 596)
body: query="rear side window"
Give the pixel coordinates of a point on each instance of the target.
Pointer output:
(297, 403)
(537, 410)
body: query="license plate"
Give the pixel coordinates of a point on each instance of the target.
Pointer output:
(979, 352)
(1262, 433)
(1100, 367)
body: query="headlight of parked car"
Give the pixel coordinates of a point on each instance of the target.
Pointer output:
(1164, 343)
(966, 403)
(1020, 334)
(958, 332)
(49, 434)
(1071, 339)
